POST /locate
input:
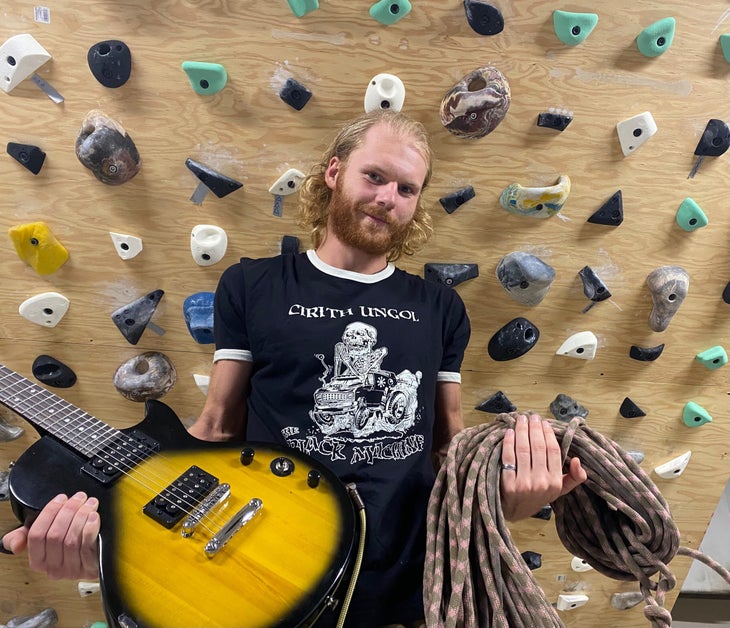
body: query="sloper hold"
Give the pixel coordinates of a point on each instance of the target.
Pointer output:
(384, 91)
(205, 78)
(629, 410)
(496, 404)
(302, 7)
(690, 216)
(36, 245)
(525, 277)
(581, 345)
(216, 182)
(484, 18)
(295, 94)
(451, 202)
(110, 62)
(713, 358)
(656, 38)
(53, 372)
(694, 415)
(646, 354)
(133, 318)
(674, 467)
(20, 57)
(31, 157)
(611, 213)
(565, 408)
(390, 11)
(573, 28)
(46, 309)
(450, 274)
(626, 600)
(513, 340)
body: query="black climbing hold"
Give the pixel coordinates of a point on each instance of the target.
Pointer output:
(29, 156)
(53, 372)
(483, 17)
(611, 213)
(452, 202)
(496, 404)
(565, 408)
(545, 513)
(557, 121)
(110, 62)
(646, 354)
(295, 94)
(289, 245)
(593, 287)
(216, 182)
(715, 139)
(629, 410)
(513, 340)
(532, 559)
(726, 293)
(133, 318)
(450, 274)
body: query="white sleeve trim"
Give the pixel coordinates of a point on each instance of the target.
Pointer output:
(448, 376)
(233, 354)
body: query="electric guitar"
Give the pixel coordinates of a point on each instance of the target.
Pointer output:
(193, 534)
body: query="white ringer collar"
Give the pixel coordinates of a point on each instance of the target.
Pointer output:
(348, 274)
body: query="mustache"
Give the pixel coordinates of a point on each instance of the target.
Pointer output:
(376, 212)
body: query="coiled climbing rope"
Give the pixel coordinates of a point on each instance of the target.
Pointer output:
(617, 521)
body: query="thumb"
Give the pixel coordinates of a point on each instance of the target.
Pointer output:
(575, 477)
(16, 541)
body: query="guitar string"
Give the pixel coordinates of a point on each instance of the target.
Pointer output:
(132, 470)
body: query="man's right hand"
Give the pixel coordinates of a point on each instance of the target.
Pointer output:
(63, 540)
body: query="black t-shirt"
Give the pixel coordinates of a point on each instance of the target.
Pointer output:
(345, 368)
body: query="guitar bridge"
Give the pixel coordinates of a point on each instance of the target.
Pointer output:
(180, 497)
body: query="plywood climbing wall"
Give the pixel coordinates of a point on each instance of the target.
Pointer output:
(246, 132)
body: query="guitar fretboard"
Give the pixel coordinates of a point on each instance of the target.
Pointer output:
(54, 415)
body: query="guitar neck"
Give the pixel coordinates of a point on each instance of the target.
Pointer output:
(51, 414)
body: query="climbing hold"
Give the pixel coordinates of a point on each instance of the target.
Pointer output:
(714, 142)
(86, 589)
(385, 91)
(713, 358)
(695, 415)
(210, 180)
(208, 244)
(36, 245)
(611, 213)
(53, 372)
(496, 404)
(565, 408)
(126, 246)
(289, 245)
(725, 46)
(636, 131)
(646, 354)
(9, 432)
(302, 7)
(690, 215)
(573, 28)
(513, 340)
(656, 38)
(29, 156)
(525, 277)
(205, 78)
(451, 202)
(149, 375)
(668, 286)
(110, 62)
(554, 119)
(46, 309)
(202, 382)
(536, 202)
(626, 600)
(674, 468)
(390, 11)
(581, 345)
(450, 274)
(726, 293)
(477, 104)
(198, 314)
(20, 57)
(545, 513)
(629, 410)
(579, 565)
(288, 183)
(105, 148)
(637, 456)
(593, 288)
(295, 94)
(483, 17)
(47, 618)
(532, 559)
(569, 601)
(133, 318)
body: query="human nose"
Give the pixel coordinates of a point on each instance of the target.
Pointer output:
(387, 194)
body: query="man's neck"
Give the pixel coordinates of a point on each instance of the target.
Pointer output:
(339, 255)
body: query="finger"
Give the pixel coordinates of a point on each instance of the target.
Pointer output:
(537, 444)
(523, 455)
(575, 477)
(89, 544)
(15, 541)
(508, 458)
(76, 553)
(39, 530)
(554, 455)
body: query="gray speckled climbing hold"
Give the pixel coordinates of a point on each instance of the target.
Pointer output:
(9, 432)
(690, 216)
(450, 274)
(656, 38)
(573, 28)
(133, 318)
(45, 619)
(525, 277)
(4, 486)
(565, 408)
(149, 375)
(105, 148)
(593, 288)
(636, 456)
(496, 404)
(513, 340)
(536, 202)
(646, 354)
(627, 600)
(668, 286)
(629, 410)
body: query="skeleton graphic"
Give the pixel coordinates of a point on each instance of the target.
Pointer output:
(355, 355)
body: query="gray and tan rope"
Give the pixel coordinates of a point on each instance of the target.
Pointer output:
(617, 521)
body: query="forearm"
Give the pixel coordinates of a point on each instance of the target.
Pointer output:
(449, 420)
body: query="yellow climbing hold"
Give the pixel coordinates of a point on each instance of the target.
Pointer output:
(38, 247)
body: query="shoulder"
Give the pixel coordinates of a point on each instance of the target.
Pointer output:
(250, 270)
(431, 290)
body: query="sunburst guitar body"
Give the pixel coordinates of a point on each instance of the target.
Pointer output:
(193, 534)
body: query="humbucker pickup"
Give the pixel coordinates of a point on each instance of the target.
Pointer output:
(180, 497)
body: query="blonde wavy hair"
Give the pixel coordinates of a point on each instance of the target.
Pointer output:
(315, 195)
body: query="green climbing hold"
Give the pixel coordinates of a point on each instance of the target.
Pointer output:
(390, 11)
(725, 45)
(302, 7)
(695, 415)
(573, 28)
(205, 78)
(690, 215)
(713, 358)
(656, 39)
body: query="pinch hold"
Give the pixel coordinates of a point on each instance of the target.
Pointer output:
(668, 286)
(149, 375)
(536, 202)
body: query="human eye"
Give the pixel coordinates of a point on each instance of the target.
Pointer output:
(374, 177)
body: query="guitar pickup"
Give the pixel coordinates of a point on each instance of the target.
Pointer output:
(181, 497)
(122, 453)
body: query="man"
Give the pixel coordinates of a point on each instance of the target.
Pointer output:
(386, 412)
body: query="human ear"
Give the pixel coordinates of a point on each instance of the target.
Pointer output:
(331, 172)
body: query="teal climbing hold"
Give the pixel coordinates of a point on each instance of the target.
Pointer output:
(302, 7)
(713, 358)
(205, 78)
(695, 415)
(725, 45)
(573, 28)
(690, 215)
(656, 38)
(390, 11)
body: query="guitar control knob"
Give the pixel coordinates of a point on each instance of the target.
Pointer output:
(313, 478)
(247, 454)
